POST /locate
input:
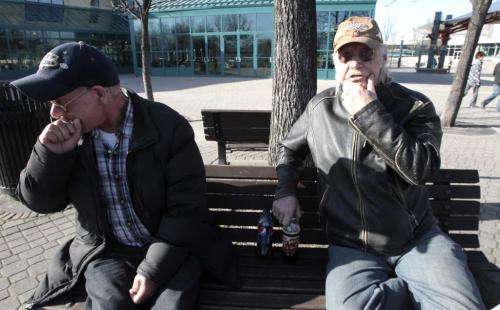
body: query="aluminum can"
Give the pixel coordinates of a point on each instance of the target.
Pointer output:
(290, 234)
(264, 234)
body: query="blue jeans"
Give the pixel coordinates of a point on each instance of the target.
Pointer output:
(433, 274)
(493, 95)
(475, 93)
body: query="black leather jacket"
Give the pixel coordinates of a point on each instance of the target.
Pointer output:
(370, 166)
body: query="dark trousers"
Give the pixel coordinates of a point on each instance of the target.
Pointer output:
(109, 277)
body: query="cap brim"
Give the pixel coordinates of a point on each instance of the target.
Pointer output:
(41, 89)
(373, 44)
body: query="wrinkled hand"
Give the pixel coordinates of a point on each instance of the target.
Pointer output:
(286, 208)
(61, 135)
(142, 289)
(355, 97)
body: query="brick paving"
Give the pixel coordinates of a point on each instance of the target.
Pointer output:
(29, 240)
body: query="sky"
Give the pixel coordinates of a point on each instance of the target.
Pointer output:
(413, 13)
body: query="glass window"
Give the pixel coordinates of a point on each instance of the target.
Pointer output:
(67, 35)
(198, 23)
(246, 45)
(360, 13)
(61, 2)
(51, 34)
(264, 45)
(247, 22)
(170, 51)
(213, 23)
(265, 22)
(336, 18)
(322, 21)
(167, 25)
(230, 23)
(322, 41)
(183, 50)
(156, 60)
(182, 24)
(321, 59)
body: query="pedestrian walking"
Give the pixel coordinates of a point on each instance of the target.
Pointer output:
(474, 80)
(496, 89)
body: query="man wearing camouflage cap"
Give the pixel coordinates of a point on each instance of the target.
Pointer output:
(375, 143)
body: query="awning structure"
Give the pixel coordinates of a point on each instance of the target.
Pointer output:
(461, 23)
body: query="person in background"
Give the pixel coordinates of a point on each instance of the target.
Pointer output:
(375, 143)
(474, 80)
(496, 89)
(132, 171)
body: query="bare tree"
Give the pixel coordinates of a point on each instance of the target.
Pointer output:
(479, 11)
(388, 28)
(140, 10)
(295, 77)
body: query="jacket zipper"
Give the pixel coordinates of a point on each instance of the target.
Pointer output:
(410, 214)
(364, 234)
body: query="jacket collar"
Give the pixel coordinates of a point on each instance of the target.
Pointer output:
(144, 132)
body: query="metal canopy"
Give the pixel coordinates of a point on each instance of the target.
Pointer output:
(461, 23)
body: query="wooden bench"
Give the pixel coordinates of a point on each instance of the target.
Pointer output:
(238, 194)
(236, 130)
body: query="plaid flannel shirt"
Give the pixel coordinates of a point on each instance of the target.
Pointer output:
(127, 228)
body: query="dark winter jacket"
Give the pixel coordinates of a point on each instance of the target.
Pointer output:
(166, 177)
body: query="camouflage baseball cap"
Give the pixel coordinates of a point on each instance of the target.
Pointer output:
(358, 29)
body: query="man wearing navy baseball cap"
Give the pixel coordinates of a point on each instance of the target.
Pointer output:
(131, 169)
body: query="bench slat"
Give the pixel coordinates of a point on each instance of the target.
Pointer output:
(454, 191)
(250, 235)
(261, 300)
(456, 175)
(308, 204)
(239, 134)
(308, 219)
(470, 241)
(254, 187)
(459, 222)
(251, 172)
(463, 207)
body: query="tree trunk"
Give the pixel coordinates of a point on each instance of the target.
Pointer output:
(146, 57)
(479, 11)
(294, 80)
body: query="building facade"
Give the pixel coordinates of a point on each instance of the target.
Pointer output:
(30, 28)
(230, 37)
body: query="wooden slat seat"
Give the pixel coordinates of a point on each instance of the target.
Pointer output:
(236, 129)
(236, 196)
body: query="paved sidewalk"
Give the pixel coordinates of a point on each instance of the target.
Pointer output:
(29, 240)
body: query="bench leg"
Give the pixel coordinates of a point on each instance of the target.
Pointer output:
(221, 148)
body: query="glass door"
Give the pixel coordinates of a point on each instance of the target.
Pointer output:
(246, 55)
(231, 66)
(199, 54)
(214, 54)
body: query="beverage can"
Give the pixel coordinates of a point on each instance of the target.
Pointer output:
(290, 235)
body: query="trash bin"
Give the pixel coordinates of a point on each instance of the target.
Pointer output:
(21, 121)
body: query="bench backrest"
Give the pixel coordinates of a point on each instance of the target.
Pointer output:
(237, 195)
(236, 125)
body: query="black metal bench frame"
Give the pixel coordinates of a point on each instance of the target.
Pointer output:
(236, 130)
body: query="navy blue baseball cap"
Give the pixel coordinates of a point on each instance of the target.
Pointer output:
(67, 67)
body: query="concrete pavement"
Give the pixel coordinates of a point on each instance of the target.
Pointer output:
(28, 240)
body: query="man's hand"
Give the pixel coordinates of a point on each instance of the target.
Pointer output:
(62, 135)
(286, 208)
(142, 289)
(355, 97)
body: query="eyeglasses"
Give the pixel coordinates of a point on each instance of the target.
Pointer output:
(365, 55)
(64, 106)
